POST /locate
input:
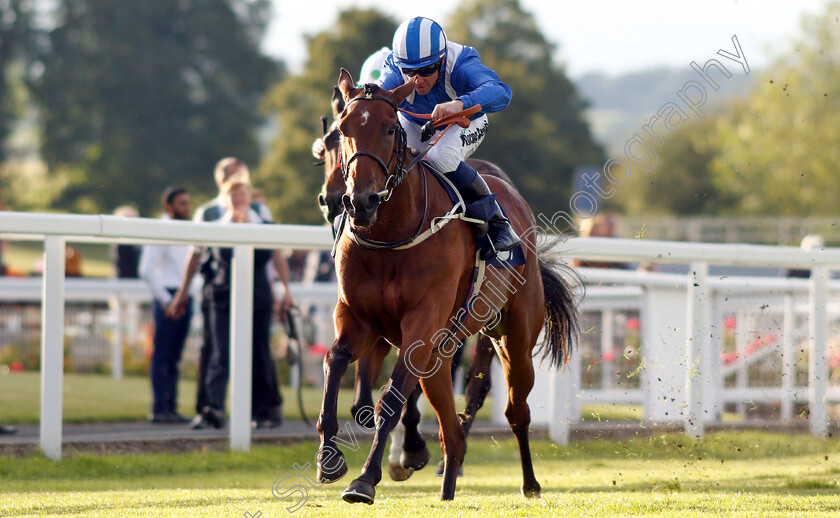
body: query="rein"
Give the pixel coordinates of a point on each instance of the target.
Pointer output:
(399, 172)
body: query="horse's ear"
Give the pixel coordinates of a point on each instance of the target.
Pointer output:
(337, 102)
(401, 92)
(345, 83)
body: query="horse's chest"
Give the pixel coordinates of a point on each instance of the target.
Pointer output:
(387, 290)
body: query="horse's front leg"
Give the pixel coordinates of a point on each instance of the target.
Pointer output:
(411, 361)
(352, 339)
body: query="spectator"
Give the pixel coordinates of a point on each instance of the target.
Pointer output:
(298, 262)
(126, 258)
(201, 259)
(216, 269)
(600, 225)
(809, 242)
(162, 267)
(72, 262)
(264, 389)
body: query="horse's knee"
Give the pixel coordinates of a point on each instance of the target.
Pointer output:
(338, 355)
(518, 414)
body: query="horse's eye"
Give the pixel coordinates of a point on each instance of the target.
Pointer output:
(392, 130)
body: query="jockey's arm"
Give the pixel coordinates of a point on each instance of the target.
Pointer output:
(478, 84)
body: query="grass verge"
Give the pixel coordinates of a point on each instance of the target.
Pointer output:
(732, 474)
(90, 398)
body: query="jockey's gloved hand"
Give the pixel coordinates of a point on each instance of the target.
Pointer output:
(427, 131)
(319, 149)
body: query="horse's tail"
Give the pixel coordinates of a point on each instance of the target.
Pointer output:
(562, 320)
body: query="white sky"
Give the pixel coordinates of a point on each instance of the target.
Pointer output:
(606, 36)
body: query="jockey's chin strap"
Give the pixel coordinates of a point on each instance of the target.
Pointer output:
(399, 173)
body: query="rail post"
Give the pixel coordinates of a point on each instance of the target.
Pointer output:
(697, 344)
(788, 361)
(663, 375)
(117, 306)
(817, 365)
(52, 346)
(241, 346)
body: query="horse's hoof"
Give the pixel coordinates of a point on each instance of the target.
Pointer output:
(531, 492)
(441, 464)
(415, 460)
(334, 472)
(359, 491)
(399, 473)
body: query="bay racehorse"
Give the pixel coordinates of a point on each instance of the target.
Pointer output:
(414, 454)
(412, 297)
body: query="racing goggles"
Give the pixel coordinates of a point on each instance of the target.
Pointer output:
(424, 71)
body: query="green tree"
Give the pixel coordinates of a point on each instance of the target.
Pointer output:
(779, 151)
(135, 96)
(297, 102)
(681, 182)
(15, 43)
(17, 36)
(542, 136)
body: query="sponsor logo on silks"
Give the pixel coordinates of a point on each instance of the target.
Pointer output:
(468, 139)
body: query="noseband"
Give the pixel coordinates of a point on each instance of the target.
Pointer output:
(397, 154)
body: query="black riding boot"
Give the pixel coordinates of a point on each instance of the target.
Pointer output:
(473, 187)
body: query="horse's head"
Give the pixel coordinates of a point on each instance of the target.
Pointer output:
(371, 145)
(334, 187)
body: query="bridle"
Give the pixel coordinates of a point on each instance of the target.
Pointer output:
(398, 175)
(395, 177)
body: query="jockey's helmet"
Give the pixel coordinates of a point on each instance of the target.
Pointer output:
(418, 42)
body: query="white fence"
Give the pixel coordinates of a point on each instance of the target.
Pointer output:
(760, 331)
(55, 230)
(679, 315)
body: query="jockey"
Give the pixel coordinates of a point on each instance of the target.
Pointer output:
(448, 79)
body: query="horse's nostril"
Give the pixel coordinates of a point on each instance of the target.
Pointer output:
(373, 201)
(347, 202)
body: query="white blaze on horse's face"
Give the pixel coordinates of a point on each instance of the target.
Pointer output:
(365, 115)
